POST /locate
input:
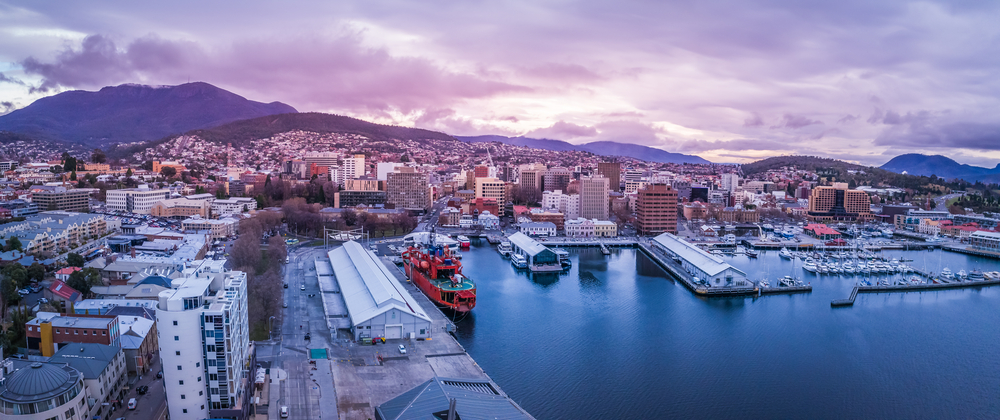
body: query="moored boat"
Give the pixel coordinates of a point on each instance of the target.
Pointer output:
(463, 241)
(438, 274)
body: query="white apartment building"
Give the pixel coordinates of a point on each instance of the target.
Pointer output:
(730, 182)
(135, 200)
(231, 206)
(204, 345)
(353, 167)
(567, 204)
(382, 169)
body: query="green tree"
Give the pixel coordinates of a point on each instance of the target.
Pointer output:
(69, 163)
(98, 156)
(72, 176)
(75, 260)
(78, 281)
(36, 272)
(9, 290)
(129, 173)
(13, 243)
(16, 273)
(168, 171)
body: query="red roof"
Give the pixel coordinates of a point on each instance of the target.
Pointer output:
(62, 290)
(68, 270)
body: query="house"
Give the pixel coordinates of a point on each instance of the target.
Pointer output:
(538, 228)
(64, 273)
(60, 291)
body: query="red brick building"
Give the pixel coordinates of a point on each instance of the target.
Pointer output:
(48, 334)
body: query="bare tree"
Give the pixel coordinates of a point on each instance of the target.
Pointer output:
(276, 250)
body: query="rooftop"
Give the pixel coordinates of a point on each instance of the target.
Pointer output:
(708, 263)
(367, 286)
(35, 381)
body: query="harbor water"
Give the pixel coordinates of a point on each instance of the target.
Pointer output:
(617, 337)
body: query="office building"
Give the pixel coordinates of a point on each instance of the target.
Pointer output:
(594, 197)
(557, 178)
(348, 198)
(181, 208)
(530, 177)
(32, 390)
(353, 167)
(656, 210)
(205, 348)
(837, 203)
(613, 172)
(61, 198)
(135, 200)
(408, 189)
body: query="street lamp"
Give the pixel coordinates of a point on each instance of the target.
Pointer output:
(269, 327)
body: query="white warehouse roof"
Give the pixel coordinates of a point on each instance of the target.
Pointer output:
(526, 243)
(367, 286)
(708, 263)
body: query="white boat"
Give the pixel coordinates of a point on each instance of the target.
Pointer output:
(786, 281)
(976, 275)
(809, 265)
(464, 241)
(518, 261)
(785, 253)
(946, 273)
(764, 284)
(962, 274)
(505, 249)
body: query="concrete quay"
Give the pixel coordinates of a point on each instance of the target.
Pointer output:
(923, 287)
(366, 375)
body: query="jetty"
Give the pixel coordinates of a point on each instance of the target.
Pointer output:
(922, 287)
(688, 280)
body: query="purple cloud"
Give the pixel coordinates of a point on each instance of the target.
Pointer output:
(563, 130)
(795, 121)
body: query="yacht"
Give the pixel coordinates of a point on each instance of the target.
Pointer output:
(786, 281)
(518, 261)
(785, 253)
(505, 249)
(946, 273)
(764, 284)
(809, 265)
(962, 274)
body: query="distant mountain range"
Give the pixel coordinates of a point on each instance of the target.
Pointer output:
(131, 113)
(602, 148)
(943, 167)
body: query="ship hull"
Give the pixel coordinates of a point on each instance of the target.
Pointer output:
(435, 293)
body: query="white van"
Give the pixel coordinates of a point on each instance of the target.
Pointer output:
(284, 412)
(131, 404)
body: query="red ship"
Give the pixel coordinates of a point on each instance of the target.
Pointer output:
(439, 275)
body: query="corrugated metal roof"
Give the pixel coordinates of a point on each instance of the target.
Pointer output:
(367, 286)
(708, 263)
(526, 243)
(475, 399)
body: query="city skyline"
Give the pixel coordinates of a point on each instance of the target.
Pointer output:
(729, 82)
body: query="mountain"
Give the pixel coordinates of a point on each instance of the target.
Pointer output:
(130, 113)
(602, 148)
(943, 167)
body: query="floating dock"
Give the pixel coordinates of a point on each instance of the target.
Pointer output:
(923, 287)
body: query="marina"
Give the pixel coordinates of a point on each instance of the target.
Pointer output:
(611, 318)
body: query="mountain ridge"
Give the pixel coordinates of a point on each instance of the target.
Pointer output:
(131, 113)
(942, 167)
(602, 148)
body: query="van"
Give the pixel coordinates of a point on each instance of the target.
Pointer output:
(284, 412)
(131, 404)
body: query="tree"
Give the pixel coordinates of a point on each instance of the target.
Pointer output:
(36, 272)
(129, 173)
(75, 260)
(168, 171)
(404, 158)
(276, 250)
(13, 243)
(72, 176)
(98, 156)
(69, 163)
(16, 273)
(246, 249)
(78, 281)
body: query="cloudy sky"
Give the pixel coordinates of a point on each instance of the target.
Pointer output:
(731, 81)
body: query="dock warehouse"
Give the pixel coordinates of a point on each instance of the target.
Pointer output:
(701, 264)
(538, 255)
(377, 305)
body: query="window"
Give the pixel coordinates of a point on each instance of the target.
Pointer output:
(176, 338)
(180, 382)
(177, 353)
(200, 393)
(178, 367)
(57, 331)
(197, 364)
(75, 332)
(104, 333)
(184, 397)
(199, 379)
(203, 405)
(185, 411)
(175, 322)
(84, 332)
(70, 412)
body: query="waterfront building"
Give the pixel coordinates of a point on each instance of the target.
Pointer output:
(539, 256)
(591, 228)
(472, 398)
(987, 241)
(556, 218)
(480, 205)
(408, 189)
(449, 217)
(31, 390)
(656, 210)
(232, 205)
(204, 345)
(594, 197)
(135, 200)
(489, 221)
(700, 264)
(538, 228)
(613, 172)
(377, 304)
(821, 231)
(695, 211)
(838, 203)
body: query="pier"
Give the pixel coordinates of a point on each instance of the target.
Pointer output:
(912, 288)
(688, 281)
(972, 251)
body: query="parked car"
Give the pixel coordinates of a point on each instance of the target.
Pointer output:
(402, 349)
(142, 390)
(159, 374)
(308, 336)
(284, 412)
(302, 287)
(131, 404)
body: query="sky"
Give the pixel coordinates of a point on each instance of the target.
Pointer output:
(730, 81)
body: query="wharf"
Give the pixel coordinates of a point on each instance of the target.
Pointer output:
(923, 287)
(366, 376)
(972, 251)
(688, 281)
(569, 242)
(785, 290)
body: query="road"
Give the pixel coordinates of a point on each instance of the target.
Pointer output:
(152, 405)
(939, 202)
(303, 391)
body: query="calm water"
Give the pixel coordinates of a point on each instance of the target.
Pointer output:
(616, 338)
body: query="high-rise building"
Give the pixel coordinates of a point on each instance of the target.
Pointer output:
(594, 197)
(322, 159)
(408, 189)
(353, 167)
(656, 210)
(613, 172)
(530, 177)
(256, 179)
(557, 178)
(135, 200)
(205, 350)
(730, 181)
(61, 198)
(382, 169)
(839, 203)
(491, 188)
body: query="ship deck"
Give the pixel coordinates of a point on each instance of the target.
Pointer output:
(449, 286)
